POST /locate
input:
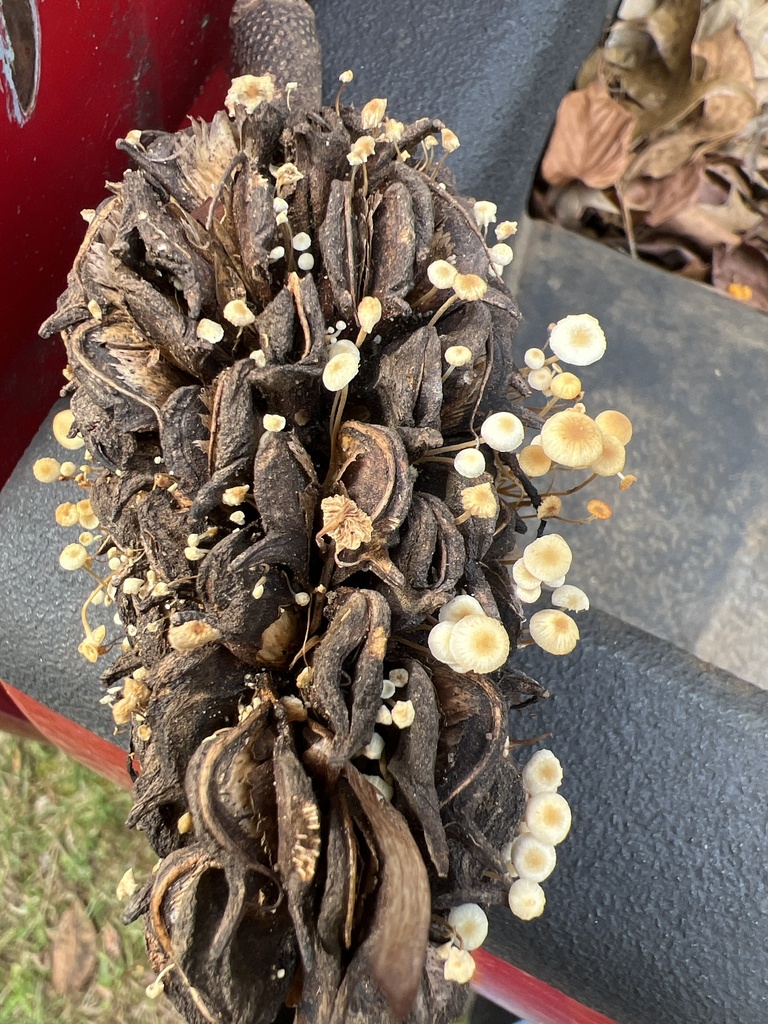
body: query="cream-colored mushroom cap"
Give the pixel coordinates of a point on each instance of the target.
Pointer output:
(238, 313)
(573, 599)
(548, 558)
(73, 556)
(542, 774)
(611, 459)
(458, 355)
(501, 254)
(565, 385)
(503, 431)
(340, 369)
(439, 641)
(459, 966)
(554, 631)
(209, 330)
(533, 859)
(62, 423)
(480, 500)
(191, 635)
(540, 379)
(523, 577)
(460, 606)
(548, 816)
(577, 339)
(534, 461)
(479, 643)
(469, 463)
(485, 212)
(572, 438)
(249, 91)
(470, 924)
(526, 899)
(534, 358)
(369, 313)
(450, 140)
(47, 471)
(469, 287)
(616, 423)
(528, 595)
(441, 274)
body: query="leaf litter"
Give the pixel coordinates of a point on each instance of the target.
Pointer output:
(661, 147)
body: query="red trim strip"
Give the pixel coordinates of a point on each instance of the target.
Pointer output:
(528, 997)
(103, 757)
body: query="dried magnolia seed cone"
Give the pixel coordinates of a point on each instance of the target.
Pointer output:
(256, 362)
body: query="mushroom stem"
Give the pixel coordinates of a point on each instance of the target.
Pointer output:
(447, 448)
(578, 487)
(448, 302)
(424, 299)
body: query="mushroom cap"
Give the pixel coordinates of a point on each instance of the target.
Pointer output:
(501, 254)
(62, 422)
(369, 313)
(611, 421)
(600, 509)
(572, 438)
(441, 274)
(612, 458)
(503, 431)
(470, 924)
(542, 774)
(459, 966)
(209, 330)
(533, 859)
(534, 461)
(47, 471)
(73, 556)
(248, 91)
(460, 606)
(566, 385)
(373, 112)
(403, 712)
(273, 423)
(505, 229)
(469, 287)
(238, 314)
(548, 816)
(480, 500)
(551, 505)
(534, 358)
(458, 355)
(523, 577)
(439, 641)
(340, 369)
(485, 212)
(548, 558)
(301, 241)
(191, 635)
(554, 631)
(528, 595)
(577, 339)
(526, 899)
(449, 139)
(469, 463)
(540, 379)
(571, 598)
(479, 643)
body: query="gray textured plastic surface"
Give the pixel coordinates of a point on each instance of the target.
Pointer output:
(686, 553)
(40, 603)
(493, 70)
(658, 907)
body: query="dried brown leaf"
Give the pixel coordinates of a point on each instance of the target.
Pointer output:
(715, 225)
(73, 950)
(731, 105)
(662, 198)
(673, 27)
(590, 141)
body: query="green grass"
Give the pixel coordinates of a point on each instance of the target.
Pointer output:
(62, 837)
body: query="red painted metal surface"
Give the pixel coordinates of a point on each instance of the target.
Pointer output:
(105, 67)
(528, 997)
(103, 757)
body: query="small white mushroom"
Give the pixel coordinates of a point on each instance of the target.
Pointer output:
(577, 339)
(526, 899)
(503, 431)
(533, 859)
(470, 924)
(548, 816)
(542, 774)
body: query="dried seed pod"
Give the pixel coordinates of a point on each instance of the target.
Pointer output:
(208, 303)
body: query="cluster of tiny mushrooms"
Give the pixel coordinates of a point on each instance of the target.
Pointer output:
(437, 605)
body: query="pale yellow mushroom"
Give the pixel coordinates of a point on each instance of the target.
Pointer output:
(526, 899)
(566, 386)
(554, 631)
(543, 773)
(611, 421)
(533, 461)
(502, 431)
(571, 438)
(479, 643)
(611, 459)
(470, 924)
(548, 816)
(533, 859)
(548, 557)
(577, 339)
